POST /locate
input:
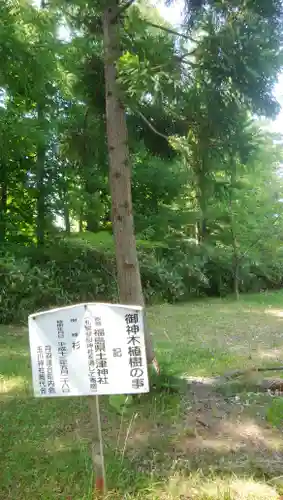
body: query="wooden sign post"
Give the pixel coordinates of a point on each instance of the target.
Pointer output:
(97, 447)
(89, 350)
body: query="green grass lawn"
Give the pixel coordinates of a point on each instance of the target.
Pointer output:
(194, 445)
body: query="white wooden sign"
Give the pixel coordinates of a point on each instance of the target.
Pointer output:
(88, 349)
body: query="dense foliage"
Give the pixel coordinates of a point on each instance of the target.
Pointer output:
(206, 182)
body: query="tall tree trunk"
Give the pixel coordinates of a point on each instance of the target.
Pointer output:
(67, 218)
(236, 277)
(65, 204)
(128, 272)
(202, 200)
(81, 222)
(92, 220)
(40, 184)
(236, 258)
(3, 210)
(196, 232)
(40, 173)
(91, 223)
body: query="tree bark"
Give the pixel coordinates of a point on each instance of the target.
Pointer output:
(201, 189)
(128, 272)
(236, 259)
(91, 223)
(67, 218)
(236, 266)
(92, 220)
(40, 185)
(81, 222)
(3, 210)
(203, 200)
(40, 173)
(65, 205)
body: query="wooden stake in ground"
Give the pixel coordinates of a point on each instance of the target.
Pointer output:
(128, 272)
(97, 447)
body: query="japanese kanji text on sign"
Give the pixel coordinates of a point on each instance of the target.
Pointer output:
(88, 349)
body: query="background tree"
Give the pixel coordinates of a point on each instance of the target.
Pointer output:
(185, 117)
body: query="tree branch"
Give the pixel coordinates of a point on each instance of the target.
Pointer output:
(169, 30)
(241, 373)
(122, 9)
(150, 125)
(175, 59)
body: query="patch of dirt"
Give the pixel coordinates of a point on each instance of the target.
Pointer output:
(214, 433)
(228, 433)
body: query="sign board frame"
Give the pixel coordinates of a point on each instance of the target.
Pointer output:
(61, 337)
(88, 349)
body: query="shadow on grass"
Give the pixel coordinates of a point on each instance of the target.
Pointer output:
(15, 370)
(209, 339)
(44, 444)
(45, 452)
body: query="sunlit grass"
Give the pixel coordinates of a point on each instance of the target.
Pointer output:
(160, 454)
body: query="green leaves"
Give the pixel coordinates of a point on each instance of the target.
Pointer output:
(203, 177)
(134, 75)
(28, 46)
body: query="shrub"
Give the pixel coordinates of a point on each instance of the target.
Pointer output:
(75, 269)
(70, 270)
(60, 273)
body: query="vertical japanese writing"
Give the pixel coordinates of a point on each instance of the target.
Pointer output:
(49, 369)
(100, 349)
(41, 371)
(60, 329)
(134, 350)
(88, 349)
(63, 361)
(90, 355)
(76, 345)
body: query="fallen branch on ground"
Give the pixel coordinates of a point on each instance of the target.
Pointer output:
(241, 373)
